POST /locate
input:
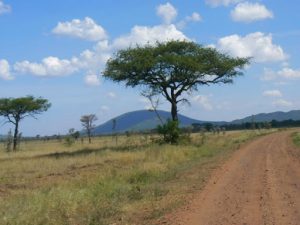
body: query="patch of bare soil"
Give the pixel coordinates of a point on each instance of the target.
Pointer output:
(259, 185)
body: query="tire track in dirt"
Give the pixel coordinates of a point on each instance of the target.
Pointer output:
(259, 185)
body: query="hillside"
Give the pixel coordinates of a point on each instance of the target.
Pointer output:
(141, 120)
(268, 117)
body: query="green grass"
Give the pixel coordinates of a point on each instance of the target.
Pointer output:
(134, 182)
(296, 138)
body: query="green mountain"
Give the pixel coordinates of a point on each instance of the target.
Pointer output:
(142, 120)
(268, 117)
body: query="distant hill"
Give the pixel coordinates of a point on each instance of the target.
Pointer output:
(268, 117)
(142, 120)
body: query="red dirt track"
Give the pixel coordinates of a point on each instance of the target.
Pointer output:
(259, 185)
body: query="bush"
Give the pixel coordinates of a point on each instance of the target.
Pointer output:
(170, 131)
(69, 141)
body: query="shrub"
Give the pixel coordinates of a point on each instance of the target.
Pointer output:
(170, 131)
(69, 141)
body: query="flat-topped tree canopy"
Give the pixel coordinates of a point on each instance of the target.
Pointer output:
(22, 107)
(172, 68)
(16, 109)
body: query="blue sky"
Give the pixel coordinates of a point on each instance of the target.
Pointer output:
(57, 49)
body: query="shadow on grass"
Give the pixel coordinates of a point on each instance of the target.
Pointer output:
(82, 152)
(87, 151)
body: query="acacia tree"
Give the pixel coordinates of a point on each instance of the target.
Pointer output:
(16, 109)
(173, 69)
(87, 122)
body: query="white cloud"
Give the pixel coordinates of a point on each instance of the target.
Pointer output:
(111, 94)
(4, 8)
(142, 35)
(215, 3)
(195, 17)
(257, 45)
(272, 93)
(5, 72)
(50, 66)
(86, 29)
(92, 79)
(287, 73)
(94, 59)
(249, 12)
(282, 103)
(203, 101)
(167, 12)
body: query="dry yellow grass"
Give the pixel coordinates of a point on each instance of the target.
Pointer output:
(132, 182)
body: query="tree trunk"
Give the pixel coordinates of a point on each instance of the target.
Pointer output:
(89, 134)
(174, 111)
(16, 135)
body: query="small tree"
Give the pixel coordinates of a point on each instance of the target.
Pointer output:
(154, 104)
(74, 134)
(173, 69)
(16, 109)
(70, 139)
(87, 122)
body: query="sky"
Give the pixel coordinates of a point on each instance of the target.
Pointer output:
(58, 49)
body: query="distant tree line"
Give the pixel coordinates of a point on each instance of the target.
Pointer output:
(196, 127)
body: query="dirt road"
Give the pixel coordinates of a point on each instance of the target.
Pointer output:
(259, 185)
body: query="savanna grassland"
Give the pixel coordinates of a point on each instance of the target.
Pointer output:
(134, 181)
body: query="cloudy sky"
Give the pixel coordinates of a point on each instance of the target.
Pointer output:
(57, 49)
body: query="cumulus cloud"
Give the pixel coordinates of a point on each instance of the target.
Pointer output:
(86, 29)
(94, 59)
(216, 3)
(282, 103)
(167, 12)
(5, 72)
(286, 73)
(249, 12)
(142, 35)
(272, 93)
(203, 101)
(92, 79)
(257, 45)
(289, 73)
(50, 66)
(195, 17)
(4, 8)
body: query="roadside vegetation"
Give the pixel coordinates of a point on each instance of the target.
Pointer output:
(296, 138)
(135, 181)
